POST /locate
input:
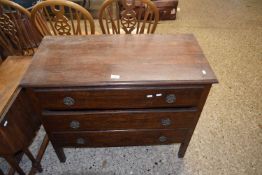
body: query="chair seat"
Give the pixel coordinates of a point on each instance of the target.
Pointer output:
(11, 72)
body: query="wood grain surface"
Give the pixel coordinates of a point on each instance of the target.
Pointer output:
(119, 98)
(11, 72)
(119, 59)
(119, 138)
(120, 119)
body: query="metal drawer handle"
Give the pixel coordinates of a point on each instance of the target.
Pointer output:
(163, 139)
(74, 124)
(166, 121)
(69, 101)
(171, 98)
(80, 141)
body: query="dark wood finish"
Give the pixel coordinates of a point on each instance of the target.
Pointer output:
(18, 122)
(15, 133)
(59, 152)
(138, 59)
(15, 116)
(118, 138)
(35, 164)
(11, 72)
(119, 119)
(18, 157)
(12, 161)
(119, 90)
(185, 143)
(120, 97)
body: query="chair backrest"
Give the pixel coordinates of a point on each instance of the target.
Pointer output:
(128, 16)
(62, 17)
(17, 35)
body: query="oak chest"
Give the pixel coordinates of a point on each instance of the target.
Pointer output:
(124, 90)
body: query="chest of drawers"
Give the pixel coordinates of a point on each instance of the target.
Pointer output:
(104, 91)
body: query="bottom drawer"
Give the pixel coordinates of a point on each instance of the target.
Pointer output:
(119, 138)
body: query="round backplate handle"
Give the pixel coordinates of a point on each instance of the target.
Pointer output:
(162, 139)
(171, 98)
(74, 124)
(166, 121)
(69, 101)
(80, 141)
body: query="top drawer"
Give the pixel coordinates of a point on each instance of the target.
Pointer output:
(117, 98)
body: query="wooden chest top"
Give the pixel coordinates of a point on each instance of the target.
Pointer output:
(66, 61)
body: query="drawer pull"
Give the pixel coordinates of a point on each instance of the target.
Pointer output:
(69, 101)
(163, 139)
(171, 98)
(80, 141)
(74, 124)
(166, 121)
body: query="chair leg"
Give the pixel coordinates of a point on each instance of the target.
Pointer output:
(14, 164)
(18, 158)
(40, 154)
(35, 163)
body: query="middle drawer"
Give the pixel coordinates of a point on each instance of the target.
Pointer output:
(119, 119)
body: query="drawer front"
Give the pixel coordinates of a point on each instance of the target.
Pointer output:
(18, 125)
(64, 99)
(11, 135)
(117, 120)
(118, 138)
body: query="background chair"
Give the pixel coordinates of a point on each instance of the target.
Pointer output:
(128, 16)
(58, 17)
(17, 35)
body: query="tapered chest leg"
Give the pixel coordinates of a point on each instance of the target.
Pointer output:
(182, 150)
(60, 153)
(185, 143)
